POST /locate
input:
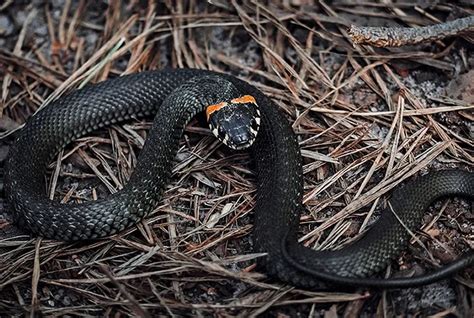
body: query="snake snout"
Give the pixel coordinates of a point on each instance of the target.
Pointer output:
(240, 138)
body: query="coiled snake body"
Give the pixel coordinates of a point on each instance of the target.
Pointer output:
(175, 96)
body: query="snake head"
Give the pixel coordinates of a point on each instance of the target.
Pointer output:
(236, 122)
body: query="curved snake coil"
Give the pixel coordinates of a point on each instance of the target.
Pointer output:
(175, 96)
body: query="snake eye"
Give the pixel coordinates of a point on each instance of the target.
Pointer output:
(221, 131)
(255, 124)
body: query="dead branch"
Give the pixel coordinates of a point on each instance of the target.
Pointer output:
(385, 37)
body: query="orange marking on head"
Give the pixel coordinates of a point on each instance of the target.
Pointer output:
(212, 108)
(244, 99)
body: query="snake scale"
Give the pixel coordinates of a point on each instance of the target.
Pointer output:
(175, 96)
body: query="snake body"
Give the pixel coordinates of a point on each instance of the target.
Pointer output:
(175, 96)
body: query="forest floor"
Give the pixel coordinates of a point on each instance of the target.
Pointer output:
(364, 117)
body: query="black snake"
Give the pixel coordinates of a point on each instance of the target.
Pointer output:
(175, 96)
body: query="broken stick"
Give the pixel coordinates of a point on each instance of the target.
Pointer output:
(384, 37)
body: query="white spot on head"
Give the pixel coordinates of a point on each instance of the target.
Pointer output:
(253, 131)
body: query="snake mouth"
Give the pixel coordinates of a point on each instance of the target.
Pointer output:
(240, 142)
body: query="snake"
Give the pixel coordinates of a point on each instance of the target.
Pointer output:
(241, 116)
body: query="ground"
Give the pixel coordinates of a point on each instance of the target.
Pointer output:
(365, 118)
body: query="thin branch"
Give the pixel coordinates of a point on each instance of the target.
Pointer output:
(384, 37)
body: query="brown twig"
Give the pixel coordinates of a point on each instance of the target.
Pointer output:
(385, 37)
